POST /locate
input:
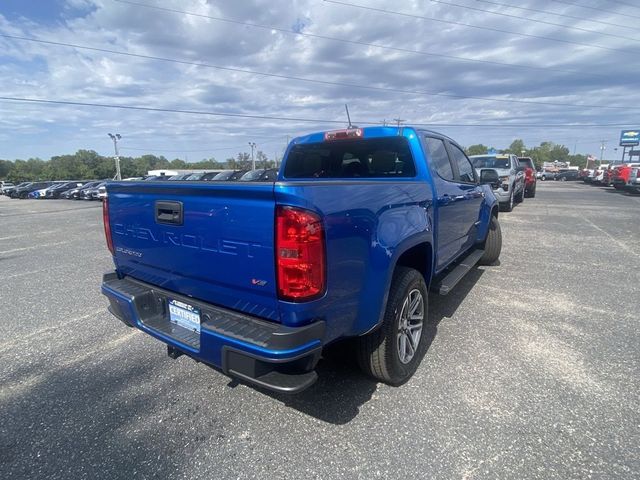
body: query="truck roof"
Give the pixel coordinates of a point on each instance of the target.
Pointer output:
(368, 132)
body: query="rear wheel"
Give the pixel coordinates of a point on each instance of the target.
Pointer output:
(519, 198)
(492, 244)
(530, 193)
(393, 352)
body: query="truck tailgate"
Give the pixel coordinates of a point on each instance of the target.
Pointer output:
(210, 241)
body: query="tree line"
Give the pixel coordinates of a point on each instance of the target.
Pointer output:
(545, 152)
(88, 165)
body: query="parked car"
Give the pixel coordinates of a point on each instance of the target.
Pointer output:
(548, 175)
(633, 182)
(195, 176)
(102, 191)
(220, 176)
(260, 175)
(530, 178)
(91, 193)
(568, 175)
(37, 193)
(598, 175)
(8, 189)
(583, 174)
(7, 186)
(256, 279)
(23, 192)
(622, 173)
(60, 189)
(225, 176)
(512, 178)
(76, 193)
(181, 176)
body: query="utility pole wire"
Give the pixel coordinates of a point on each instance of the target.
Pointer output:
(323, 82)
(356, 42)
(310, 120)
(557, 14)
(597, 9)
(535, 20)
(492, 29)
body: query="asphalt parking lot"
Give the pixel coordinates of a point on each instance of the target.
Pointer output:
(532, 371)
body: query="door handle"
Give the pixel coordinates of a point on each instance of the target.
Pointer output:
(169, 213)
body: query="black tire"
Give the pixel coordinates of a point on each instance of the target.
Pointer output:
(530, 193)
(492, 244)
(378, 351)
(520, 197)
(507, 206)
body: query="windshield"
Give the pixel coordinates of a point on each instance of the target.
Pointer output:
(251, 175)
(490, 162)
(195, 176)
(224, 175)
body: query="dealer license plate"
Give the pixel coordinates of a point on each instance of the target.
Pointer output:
(185, 315)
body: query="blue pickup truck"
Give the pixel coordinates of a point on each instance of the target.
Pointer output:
(256, 278)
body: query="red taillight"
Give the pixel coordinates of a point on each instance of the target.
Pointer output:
(107, 226)
(343, 134)
(300, 254)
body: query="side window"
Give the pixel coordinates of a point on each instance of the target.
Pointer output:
(465, 169)
(439, 158)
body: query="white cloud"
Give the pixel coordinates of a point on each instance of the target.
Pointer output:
(593, 76)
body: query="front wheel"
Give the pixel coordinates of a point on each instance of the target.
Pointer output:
(492, 244)
(392, 353)
(508, 205)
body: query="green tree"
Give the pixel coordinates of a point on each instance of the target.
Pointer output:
(243, 160)
(478, 149)
(516, 147)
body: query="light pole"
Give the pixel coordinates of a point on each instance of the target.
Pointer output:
(602, 149)
(115, 139)
(253, 160)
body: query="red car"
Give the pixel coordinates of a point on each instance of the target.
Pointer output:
(529, 176)
(621, 174)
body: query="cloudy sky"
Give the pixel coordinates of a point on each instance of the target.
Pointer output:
(549, 70)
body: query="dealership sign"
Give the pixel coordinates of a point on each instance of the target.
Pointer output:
(629, 138)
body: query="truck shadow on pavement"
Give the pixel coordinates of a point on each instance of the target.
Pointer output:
(342, 388)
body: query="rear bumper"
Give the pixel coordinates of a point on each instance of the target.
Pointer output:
(260, 352)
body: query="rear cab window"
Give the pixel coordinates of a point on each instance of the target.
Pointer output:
(383, 157)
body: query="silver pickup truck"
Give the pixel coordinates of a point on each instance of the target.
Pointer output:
(512, 177)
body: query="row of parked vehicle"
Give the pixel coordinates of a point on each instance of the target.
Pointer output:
(623, 176)
(95, 189)
(67, 189)
(516, 177)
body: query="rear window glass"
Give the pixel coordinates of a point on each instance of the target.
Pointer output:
(361, 158)
(491, 162)
(526, 162)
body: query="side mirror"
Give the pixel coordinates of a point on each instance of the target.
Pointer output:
(521, 168)
(490, 177)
